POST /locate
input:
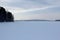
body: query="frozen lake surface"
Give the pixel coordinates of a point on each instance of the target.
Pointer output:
(30, 30)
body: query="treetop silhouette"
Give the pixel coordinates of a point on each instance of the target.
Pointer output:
(5, 16)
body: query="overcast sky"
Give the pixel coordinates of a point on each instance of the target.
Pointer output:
(33, 9)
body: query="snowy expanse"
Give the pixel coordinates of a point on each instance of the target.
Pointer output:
(30, 30)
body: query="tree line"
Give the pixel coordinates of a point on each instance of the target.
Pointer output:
(6, 16)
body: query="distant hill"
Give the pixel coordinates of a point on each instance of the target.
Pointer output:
(57, 20)
(35, 20)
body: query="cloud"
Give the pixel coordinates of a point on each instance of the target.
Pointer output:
(38, 16)
(26, 14)
(53, 2)
(30, 9)
(29, 3)
(21, 10)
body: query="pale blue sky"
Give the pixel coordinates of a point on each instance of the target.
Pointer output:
(30, 9)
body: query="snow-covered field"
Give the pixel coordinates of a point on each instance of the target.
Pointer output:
(30, 30)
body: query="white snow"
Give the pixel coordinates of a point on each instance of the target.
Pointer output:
(30, 30)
